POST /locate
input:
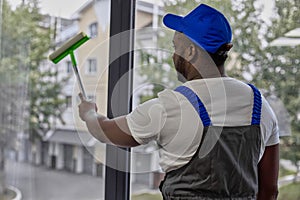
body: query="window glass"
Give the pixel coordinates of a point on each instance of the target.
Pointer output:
(91, 67)
(69, 67)
(68, 101)
(150, 77)
(263, 53)
(49, 153)
(93, 30)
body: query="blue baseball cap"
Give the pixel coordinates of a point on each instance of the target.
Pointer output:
(205, 26)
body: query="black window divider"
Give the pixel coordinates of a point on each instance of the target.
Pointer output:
(117, 172)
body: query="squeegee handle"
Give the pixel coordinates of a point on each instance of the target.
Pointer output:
(81, 88)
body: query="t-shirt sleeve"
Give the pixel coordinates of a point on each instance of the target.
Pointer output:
(146, 121)
(274, 137)
(271, 124)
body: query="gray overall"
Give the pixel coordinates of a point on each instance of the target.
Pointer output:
(225, 163)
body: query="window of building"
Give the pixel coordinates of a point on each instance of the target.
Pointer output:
(91, 67)
(69, 67)
(91, 97)
(68, 101)
(93, 29)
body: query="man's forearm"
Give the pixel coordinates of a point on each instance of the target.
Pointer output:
(268, 194)
(93, 121)
(268, 168)
(111, 131)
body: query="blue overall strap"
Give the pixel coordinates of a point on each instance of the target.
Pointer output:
(197, 104)
(257, 103)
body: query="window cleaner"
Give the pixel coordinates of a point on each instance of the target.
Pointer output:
(68, 49)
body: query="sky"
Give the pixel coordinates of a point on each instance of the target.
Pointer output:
(65, 8)
(61, 8)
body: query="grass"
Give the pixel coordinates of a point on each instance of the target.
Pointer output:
(290, 192)
(147, 196)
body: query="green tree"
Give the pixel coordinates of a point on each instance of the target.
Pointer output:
(9, 86)
(290, 150)
(30, 97)
(44, 89)
(280, 73)
(275, 69)
(157, 72)
(156, 66)
(245, 17)
(246, 22)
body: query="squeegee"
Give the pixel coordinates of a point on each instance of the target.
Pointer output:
(68, 49)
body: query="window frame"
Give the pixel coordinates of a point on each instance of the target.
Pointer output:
(117, 186)
(91, 63)
(68, 101)
(93, 29)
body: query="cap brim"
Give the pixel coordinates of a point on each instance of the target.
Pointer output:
(173, 22)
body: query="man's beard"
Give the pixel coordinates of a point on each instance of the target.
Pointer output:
(180, 64)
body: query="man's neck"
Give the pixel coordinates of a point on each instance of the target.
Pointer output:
(216, 73)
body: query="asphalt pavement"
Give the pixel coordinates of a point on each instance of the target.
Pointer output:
(42, 183)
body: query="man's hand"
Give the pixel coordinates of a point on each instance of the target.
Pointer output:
(86, 108)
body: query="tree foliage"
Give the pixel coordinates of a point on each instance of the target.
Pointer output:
(280, 73)
(29, 98)
(274, 69)
(30, 95)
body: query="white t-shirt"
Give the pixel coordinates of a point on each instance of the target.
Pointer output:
(173, 122)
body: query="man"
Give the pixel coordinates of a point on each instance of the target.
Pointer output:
(218, 137)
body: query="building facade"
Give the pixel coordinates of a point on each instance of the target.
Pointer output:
(69, 147)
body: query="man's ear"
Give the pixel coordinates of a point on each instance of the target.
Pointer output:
(191, 52)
